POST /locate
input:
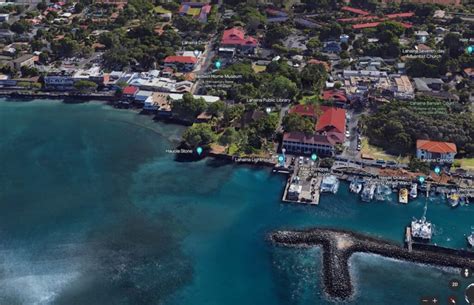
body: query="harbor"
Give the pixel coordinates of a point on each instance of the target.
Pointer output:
(339, 245)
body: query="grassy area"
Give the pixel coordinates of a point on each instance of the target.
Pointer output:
(466, 163)
(379, 154)
(258, 69)
(233, 149)
(160, 10)
(307, 99)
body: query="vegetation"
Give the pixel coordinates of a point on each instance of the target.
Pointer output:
(395, 127)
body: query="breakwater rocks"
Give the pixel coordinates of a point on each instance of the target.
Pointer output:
(339, 245)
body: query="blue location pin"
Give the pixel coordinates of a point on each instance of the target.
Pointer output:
(421, 179)
(314, 157)
(199, 150)
(281, 159)
(437, 170)
(470, 49)
(218, 64)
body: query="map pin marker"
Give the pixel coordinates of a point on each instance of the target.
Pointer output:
(199, 150)
(196, 53)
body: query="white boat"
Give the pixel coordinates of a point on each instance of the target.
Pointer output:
(414, 191)
(368, 192)
(470, 240)
(421, 229)
(356, 186)
(383, 192)
(330, 184)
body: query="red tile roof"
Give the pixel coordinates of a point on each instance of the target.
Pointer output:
(181, 59)
(335, 95)
(400, 15)
(436, 147)
(236, 36)
(332, 120)
(354, 10)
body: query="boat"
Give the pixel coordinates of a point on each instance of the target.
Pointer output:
(330, 184)
(453, 198)
(421, 229)
(368, 192)
(382, 192)
(470, 240)
(403, 196)
(414, 191)
(356, 186)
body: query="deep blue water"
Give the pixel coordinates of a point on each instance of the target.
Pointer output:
(93, 210)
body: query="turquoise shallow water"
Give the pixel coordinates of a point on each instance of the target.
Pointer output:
(94, 211)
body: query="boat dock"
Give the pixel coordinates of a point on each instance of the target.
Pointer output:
(408, 239)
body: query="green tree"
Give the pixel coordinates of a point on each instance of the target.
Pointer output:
(21, 26)
(282, 87)
(216, 109)
(85, 86)
(295, 122)
(199, 135)
(65, 47)
(188, 107)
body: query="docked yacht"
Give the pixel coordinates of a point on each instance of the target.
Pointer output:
(470, 240)
(330, 184)
(414, 191)
(453, 198)
(368, 192)
(421, 229)
(403, 196)
(356, 186)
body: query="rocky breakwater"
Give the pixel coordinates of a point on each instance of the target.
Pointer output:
(339, 245)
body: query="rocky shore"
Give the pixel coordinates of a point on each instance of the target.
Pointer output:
(339, 245)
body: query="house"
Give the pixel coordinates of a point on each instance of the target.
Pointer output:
(4, 17)
(236, 38)
(142, 96)
(434, 151)
(426, 84)
(469, 73)
(27, 60)
(130, 92)
(338, 97)
(402, 89)
(301, 143)
(421, 36)
(332, 47)
(181, 63)
(197, 10)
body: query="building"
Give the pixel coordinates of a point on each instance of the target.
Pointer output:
(27, 60)
(236, 38)
(332, 47)
(338, 97)
(441, 2)
(301, 143)
(181, 63)
(426, 84)
(421, 36)
(332, 124)
(437, 152)
(4, 17)
(130, 92)
(58, 81)
(403, 89)
(197, 10)
(142, 96)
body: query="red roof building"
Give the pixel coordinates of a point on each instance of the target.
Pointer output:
(355, 10)
(436, 147)
(235, 37)
(333, 123)
(337, 96)
(436, 152)
(181, 59)
(130, 91)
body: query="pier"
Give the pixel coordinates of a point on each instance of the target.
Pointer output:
(339, 245)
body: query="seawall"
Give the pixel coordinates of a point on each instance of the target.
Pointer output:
(339, 245)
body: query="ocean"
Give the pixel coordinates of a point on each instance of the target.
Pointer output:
(94, 210)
